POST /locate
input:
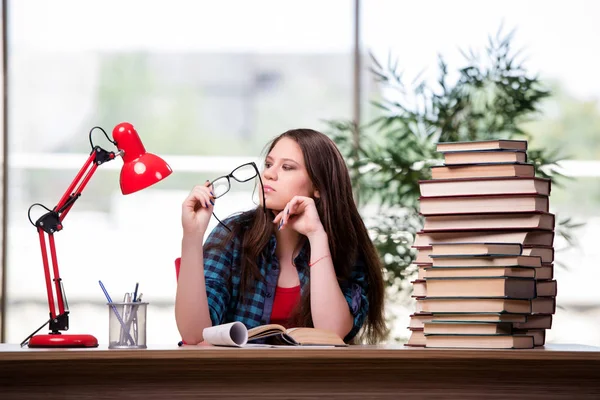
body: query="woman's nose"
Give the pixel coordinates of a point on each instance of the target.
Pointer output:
(269, 173)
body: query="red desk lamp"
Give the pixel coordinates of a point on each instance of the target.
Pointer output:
(140, 170)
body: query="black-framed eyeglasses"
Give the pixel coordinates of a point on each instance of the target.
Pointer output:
(243, 173)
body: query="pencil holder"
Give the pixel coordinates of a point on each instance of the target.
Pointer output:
(127, 325)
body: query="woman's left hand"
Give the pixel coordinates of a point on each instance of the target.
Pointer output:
(301, 215)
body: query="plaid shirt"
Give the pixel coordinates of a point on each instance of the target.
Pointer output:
(222, 277)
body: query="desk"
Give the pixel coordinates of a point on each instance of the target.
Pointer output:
(168, 372)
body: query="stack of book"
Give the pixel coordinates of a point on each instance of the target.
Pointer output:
(485, 254)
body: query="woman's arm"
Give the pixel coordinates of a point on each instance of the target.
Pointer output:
(328, 305)
(195, 307)
(191, 302)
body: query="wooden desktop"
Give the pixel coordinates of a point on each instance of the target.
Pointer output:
(169, 372)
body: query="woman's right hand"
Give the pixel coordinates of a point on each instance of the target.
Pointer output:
(197, 210)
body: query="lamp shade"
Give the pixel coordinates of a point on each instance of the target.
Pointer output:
(140, 168)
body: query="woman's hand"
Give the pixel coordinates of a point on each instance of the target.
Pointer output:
(197, 209)
(301, 215)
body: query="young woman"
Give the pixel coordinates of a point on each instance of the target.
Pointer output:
(305, 262)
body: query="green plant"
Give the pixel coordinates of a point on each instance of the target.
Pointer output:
(491, 98)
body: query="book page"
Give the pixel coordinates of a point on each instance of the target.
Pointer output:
(312, 337)
(265, 331)
(232, 334)
(304, 347)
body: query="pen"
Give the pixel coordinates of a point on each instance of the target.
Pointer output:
(105, 292)
(126, 309)
(135, 320)
(126, 316)
(135, 326)
(137, 284)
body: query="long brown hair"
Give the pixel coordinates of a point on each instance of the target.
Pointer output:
(348, 237)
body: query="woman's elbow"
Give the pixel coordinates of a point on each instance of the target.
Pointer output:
(191, 332)
(341, 327)
(192, 339)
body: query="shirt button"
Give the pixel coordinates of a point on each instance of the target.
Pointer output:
(268, 295)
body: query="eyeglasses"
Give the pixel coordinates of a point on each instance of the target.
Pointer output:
(243, 173)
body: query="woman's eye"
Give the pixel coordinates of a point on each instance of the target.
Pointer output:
(268, 165)
(287, 167)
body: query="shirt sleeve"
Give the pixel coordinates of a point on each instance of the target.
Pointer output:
(355, 292)
(218, 260)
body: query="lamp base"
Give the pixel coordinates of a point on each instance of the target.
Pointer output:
(61, 340)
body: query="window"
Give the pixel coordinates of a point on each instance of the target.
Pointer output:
(205, 83)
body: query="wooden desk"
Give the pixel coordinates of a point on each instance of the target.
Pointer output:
(558, 371)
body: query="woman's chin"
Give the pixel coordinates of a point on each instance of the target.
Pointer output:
(274, 206)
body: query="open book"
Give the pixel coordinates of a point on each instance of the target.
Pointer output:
(235, 334)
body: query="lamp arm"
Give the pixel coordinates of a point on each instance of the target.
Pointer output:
(51, 222)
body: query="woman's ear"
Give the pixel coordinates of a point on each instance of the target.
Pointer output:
(316, 194)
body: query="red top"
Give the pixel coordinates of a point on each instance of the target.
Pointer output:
(284, 303)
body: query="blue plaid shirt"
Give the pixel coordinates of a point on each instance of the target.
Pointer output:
(222, 277)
